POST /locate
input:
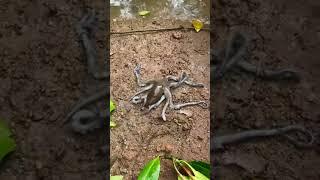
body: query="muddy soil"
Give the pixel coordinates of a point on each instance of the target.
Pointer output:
(141, 137)
(283, 34)
(42, 75)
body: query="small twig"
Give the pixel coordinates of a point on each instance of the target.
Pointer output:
(148, 31)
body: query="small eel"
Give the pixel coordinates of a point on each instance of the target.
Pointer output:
(84, 102)
(85, 120)
(156, 91)
(233, 55)
(220, 141)
(84, 28)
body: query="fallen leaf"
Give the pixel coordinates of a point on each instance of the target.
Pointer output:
(197, 24)
(187, 172)
(116, 177)
(144, 13)
(112, 106)
(112, 124)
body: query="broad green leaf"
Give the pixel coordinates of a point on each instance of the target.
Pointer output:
(116, 177)
(112, 106)
(197, 24)
(7, 144)
(192, 174)
(144, 13)
(4, 129)
(112, 124)
(202, 167)
(151, 171)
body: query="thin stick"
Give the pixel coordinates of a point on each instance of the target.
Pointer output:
(157, 30)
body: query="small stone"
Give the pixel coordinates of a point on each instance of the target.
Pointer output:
(129, 155)
(177, 35)
(38, 116)
(186, 127)
(155, 23)
(30, 114)
(39, 165)
(168, 148)
(200, 138)
(50, 23)
(124, 170)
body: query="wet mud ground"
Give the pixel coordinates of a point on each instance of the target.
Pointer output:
(43, 74)
(141, 137)
(283, 34)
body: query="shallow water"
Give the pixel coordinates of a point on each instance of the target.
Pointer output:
(161, 9)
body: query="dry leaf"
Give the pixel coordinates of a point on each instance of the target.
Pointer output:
(144, 13)
(197, 24)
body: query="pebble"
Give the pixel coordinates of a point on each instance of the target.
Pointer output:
(39, 165)
(177, 35)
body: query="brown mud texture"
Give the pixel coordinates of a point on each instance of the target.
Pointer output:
(140, 137)
(283, 34)
(43, 74)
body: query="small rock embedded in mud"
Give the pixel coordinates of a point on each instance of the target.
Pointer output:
(39, 165)
(250, 162)
(200, 138)
(177, 35)
(155, 23)
(38, 116)
(124, 170)
(168, 148)
(129, 155)
(186, 127)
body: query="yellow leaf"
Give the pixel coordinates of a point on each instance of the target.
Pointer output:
(112, 124)
(188, 169)
(116, 177)
(197, 24)
(144, 13)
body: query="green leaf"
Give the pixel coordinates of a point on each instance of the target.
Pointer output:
(202, 167)
(7, 144)
(112, 106)
(144, 13)
(4, 129)
(151, 171)
(116, 177)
